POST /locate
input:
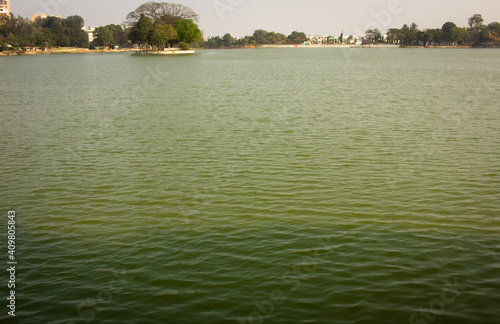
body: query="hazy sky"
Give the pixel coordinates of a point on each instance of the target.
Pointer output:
(242, 17)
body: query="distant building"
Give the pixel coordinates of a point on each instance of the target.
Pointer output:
(38, 16)
(90, 33)
(313, 40)
(41, 16)
(5, 7)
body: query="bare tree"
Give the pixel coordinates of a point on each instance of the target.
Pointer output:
(163, 12)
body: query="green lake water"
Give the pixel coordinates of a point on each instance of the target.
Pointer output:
(253, 186)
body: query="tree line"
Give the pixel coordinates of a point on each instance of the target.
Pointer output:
(153, 25)
(50, 31)
(53, 31)
(477, 34)
(259, 37)
(156, 25)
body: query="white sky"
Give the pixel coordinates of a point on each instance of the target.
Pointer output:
(317, 17)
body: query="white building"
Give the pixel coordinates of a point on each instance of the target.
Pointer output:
(90, 32)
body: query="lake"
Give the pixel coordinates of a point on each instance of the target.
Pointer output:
(254, 186)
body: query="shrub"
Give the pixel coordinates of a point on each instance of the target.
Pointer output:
(183, 46)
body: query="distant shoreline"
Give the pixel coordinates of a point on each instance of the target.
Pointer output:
(71, 50)
(64, 50)
(331, 46)
(346, 46)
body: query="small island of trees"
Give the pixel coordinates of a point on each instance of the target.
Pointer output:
(159, 25)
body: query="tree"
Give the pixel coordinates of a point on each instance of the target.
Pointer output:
(29, 32)
(103, 37)
(183, 46)
(40, 38)
(161, 35)
(408, 34)
(141, 32)
(227, 40)
(459, 35)
(12, 40)
(163, 12)
(281, 38)
(494, 28)
(423, 36)
(214, 42)
(64, 41)
(447, 27)
(188, 31)
(483, 36)
(478, 34)
(54, 24)
(118, 34)
(297, 38)
(260, 36)
(394, 35)
(54, 31)
(436, 35)
(243, 41)
(271, 38)
(75, 22)
(7, 24)
(374, 35)
(72, 27)
(476, 21)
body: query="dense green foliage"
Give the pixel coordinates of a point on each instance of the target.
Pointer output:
(494, 28)
(158, 25)
(259, 37)
(297, 38)
(142, 32)
(154, 25)
(183, 46)
(187, 31)
(110, 36)
(51, 31)
(157, 35)
(162, 34)
(477, 34)
(374, 35)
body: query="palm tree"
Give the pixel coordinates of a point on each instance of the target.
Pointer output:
(394, 35)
